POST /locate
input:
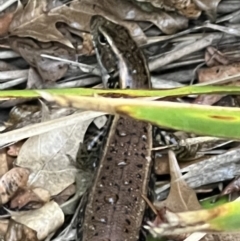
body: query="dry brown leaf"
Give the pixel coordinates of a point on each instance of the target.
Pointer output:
(210, 7)
(161, 166)
(28, 199)
(35, 22)
(13, 150)
(213, 73)
(77, 17)
(233, 186)
(5, 21)
(186, 8)
(34, 80)
(3, 227)
(180, 191)
(79, 14)
(87, 45)
(189, 8)
(4, 66)
(38, 22)
(182, 198)
(3, 162)
(213, 57)
(168, 23)
(24, 115)
(186, 196)
(50, 156)
(11, 182)
(19, 232)
(54, 4)
(50, 23)
(190, 11)
(21, 115)
(49, 70)
(42, 193)
(44, 220)
(207, 99)
(218, 72)
(162, 4)
(65, 194)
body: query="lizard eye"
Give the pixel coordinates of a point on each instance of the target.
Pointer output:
(102, 40)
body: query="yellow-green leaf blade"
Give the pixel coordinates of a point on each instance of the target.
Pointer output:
(199, 119)
(183, 91)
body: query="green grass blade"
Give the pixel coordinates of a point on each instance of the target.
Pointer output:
(199, 119)
(189, 90)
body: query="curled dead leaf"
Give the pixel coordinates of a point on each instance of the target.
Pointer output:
(87, 45)
(33, 21)
(233, 186)
(31, 51)
(42, 193)
(3, 227)
(186, 8)
(218, 72)
(3, 161)
(19, 232)
(127, 12)
(55, 163)
(179, 190)
(210, 7)
(13, 150)
(221, 69)
(30, 198)
(11, 182)
(186, 196)
(213, 57)
(5, 21)
(44, 220)
(65, 194)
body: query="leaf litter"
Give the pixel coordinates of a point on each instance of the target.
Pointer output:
(46, 164)
(182, 46)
